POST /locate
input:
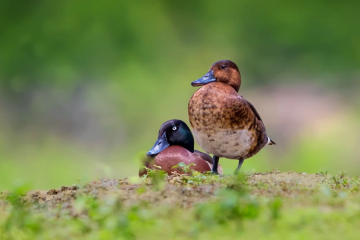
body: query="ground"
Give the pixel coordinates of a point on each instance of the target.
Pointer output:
(270, 205)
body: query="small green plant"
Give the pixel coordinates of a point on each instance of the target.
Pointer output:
(238, 183)
(234, 203)
(275, 207)
(157, 177)
(339, 181)
(20, 218)
(193, 177)
(230, 206)
(324, 173)
(151, 172)
(185, 168)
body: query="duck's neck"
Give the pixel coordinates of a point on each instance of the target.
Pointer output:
(235, 82)
(188, 141)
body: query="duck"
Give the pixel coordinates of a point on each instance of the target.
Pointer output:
(175, 144)
(223, 122)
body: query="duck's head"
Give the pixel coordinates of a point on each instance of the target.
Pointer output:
(224, 71)
(173, 132)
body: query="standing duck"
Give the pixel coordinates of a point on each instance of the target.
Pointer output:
(175, 144)
(223, 122)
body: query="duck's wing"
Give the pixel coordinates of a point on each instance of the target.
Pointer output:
(209, 160)
(204, 156)
(271, 142)
(253, 109)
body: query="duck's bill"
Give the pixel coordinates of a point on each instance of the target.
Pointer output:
(159, 146)
(207, 78)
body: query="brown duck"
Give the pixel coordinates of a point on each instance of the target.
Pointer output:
(175, 144)
(223, 122)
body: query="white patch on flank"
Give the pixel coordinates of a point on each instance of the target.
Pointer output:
(269, 141)
(231, 144)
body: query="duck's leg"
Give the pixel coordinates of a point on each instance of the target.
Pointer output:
(214, 169)
(241, 160)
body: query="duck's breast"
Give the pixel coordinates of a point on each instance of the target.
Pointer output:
(231, 144)
(217, 105)
(221, 121)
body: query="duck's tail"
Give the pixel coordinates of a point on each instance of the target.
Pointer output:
(271, 142)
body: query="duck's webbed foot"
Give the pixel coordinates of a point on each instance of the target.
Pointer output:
(241, 160)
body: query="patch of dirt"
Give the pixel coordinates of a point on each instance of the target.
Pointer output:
(286, 184)
(52, 196)
(178, 190)
(126, 191)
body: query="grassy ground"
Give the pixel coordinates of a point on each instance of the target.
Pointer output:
(271, 205)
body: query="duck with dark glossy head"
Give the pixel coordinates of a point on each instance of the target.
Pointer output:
(223, 122)
(175, 144)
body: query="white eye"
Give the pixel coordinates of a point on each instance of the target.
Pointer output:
(174, 128)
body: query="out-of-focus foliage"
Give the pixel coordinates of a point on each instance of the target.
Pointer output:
(66, 42)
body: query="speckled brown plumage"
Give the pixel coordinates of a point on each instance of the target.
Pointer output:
(223, 122)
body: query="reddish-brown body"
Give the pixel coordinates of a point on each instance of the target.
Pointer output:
(173, 155)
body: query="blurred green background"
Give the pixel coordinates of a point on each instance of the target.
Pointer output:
(85, 85)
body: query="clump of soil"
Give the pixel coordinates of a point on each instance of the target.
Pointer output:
(285, 184)
(128, 192)
(52, 196)
(180, 190)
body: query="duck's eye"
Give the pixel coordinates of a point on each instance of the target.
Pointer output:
(223, 66)
(174, 128)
